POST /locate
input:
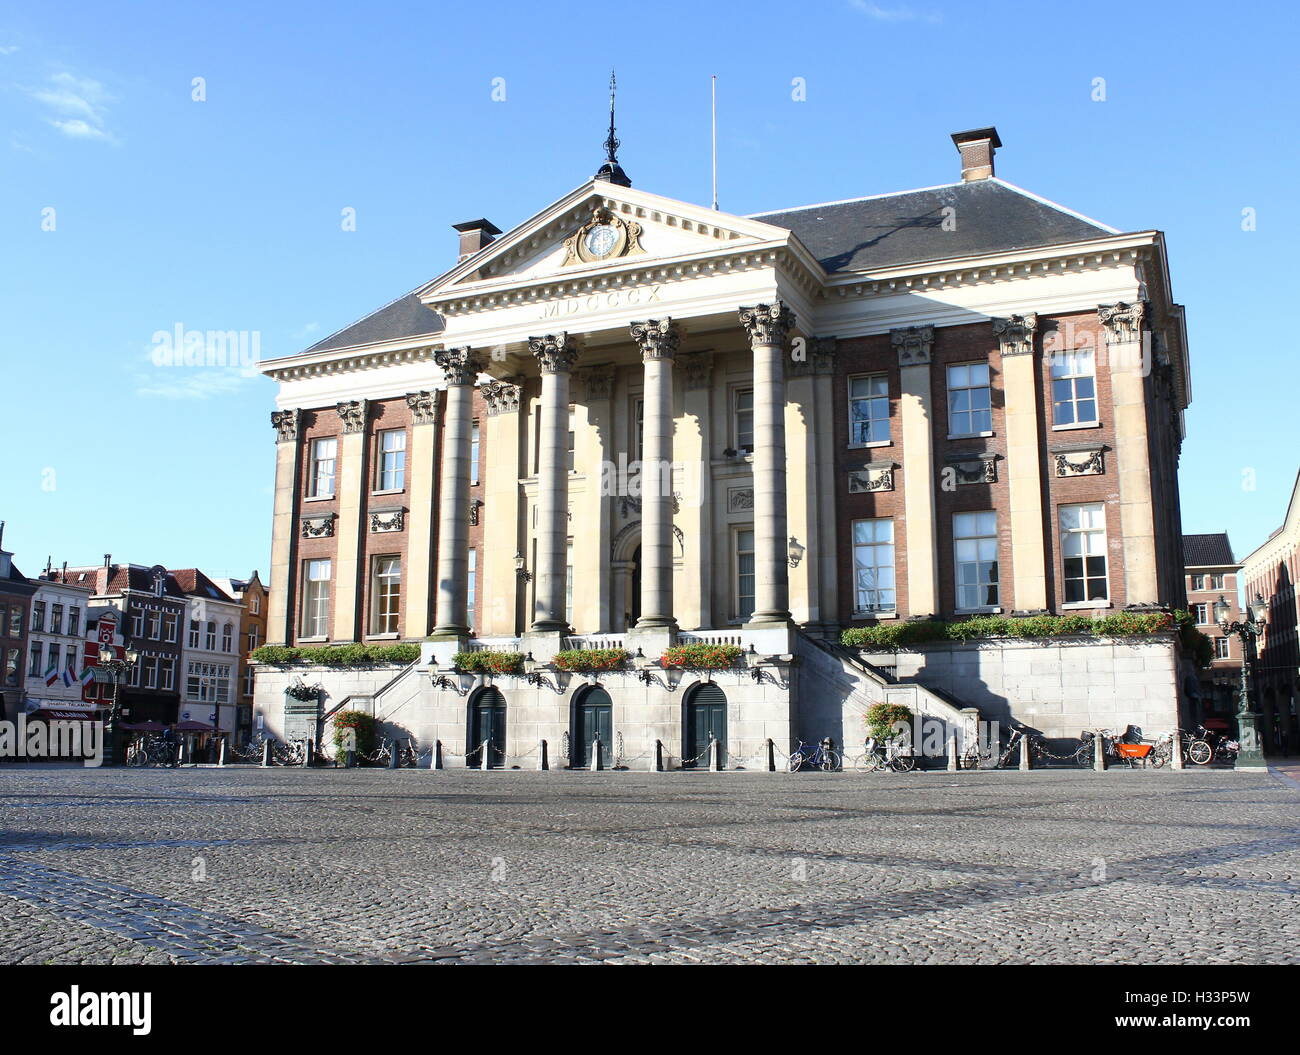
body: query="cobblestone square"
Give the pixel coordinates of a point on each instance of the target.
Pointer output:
(253, 865)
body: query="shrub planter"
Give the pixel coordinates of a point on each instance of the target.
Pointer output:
(701, 656)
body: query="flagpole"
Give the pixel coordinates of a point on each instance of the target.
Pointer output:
(715, 140)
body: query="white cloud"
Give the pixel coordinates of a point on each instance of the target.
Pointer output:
(8, 49)
(893, 14)
(79, 106)
(188, 383)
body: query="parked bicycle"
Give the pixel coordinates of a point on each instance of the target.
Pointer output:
(894, 754)
(814, 756)
(151, 751)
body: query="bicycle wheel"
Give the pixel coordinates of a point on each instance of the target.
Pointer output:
(830, 762)
(1200, 753)
(902, 763)
(1158, 757)
(794, 763)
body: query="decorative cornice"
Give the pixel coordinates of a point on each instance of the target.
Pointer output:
(285, 423)
(424, 407)
(767, 324)
(913, 344)
(657, 338)
(599, 383)
(1123, 321)
(501, 396)
(1015, 333)
(348, 363)
(459, 365)
(697, 370)
(383, 521)
(320, 526)
(555, 352)
(353, 415)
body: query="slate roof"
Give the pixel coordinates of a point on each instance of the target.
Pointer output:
(196, 584)
(1207, 551)
(990, 216)
(889, 229)
(402, 318)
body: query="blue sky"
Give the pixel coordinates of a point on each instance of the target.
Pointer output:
(225, 213)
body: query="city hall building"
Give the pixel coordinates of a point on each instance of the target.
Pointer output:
(633, 422)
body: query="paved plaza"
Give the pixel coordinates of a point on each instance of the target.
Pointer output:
(252, 865)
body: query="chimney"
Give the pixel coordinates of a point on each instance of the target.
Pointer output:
(108, 562)
(977, 148)
(474, 235)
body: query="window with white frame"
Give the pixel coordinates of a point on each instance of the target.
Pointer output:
(475, 445)
(1202, 613)
(873, 566)
(1222, 648)
(471, 594)
(1074, 387)
(74, 621)
(1083, 550)
(391, 463)
(970, 399)
(150, 672)
(1216, 582)
(868, 410)
(207, 682)
(193, 636)
(249, 675)
(166, 674)
(742, 419)
(572, 462)
(743, 572)
(1198, 582)
(253, 638)
(568, 585)
(133, 677)
(324, 453)
(227, 637)
(170, 622)
(56, 619)
(975, 547)
(315, 598)
(35, 669)
(137, 623)
(38, 616)
(153, 625)
(255, 604)
(386, 594)
(56, 653)
(638, 429)
(210, 635)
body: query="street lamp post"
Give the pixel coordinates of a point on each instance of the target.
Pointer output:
(118, 668)
(1250, 755)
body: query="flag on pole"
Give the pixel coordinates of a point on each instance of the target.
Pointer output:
(88, 675)
(51, 675)
(67, 677)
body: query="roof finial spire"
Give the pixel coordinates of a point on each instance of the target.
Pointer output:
(611, 171)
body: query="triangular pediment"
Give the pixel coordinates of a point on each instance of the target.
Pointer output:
(601, 227)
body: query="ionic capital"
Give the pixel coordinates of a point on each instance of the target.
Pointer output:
(352, 413)
(657, 338)
(1015, 333)
(459, 365)
(500, 395)
(285, 423)
(555, 353)
(424, 406)
(767, 323)
(1123, 322)
(913, 344)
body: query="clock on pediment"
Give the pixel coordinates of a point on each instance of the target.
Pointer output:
(603, 237)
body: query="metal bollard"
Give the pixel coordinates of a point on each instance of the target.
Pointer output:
(952, 752)
(266, 753)
(1099, 752)
(769, 756)
(307, 752)
(349, 758)
(715, 756)
(395, 757)
(543, 761)
(657, 757)
(221, 753)
(435, 760)
(597, 762)
(483, 750)
(1024, 754)
(1176, 751)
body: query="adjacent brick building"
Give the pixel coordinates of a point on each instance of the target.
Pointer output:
(1213, 573)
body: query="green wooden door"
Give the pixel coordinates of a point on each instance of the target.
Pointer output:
(487, 721)
(593, 717)
(706, 718)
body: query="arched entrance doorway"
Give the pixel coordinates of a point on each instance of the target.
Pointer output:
(487, 721)
(593, 717)
(705, 718)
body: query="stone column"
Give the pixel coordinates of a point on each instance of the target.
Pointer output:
(1129, 366)
(499, 584)
(283, 583)
(658, 340)
(805, 412)
(555, 354)
(692, 446)
(828, 579)
(916, 417)
(1015, 335)
(351, 483)
(767, 326)
(460, 369)
(419, 548)
(591, 525)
